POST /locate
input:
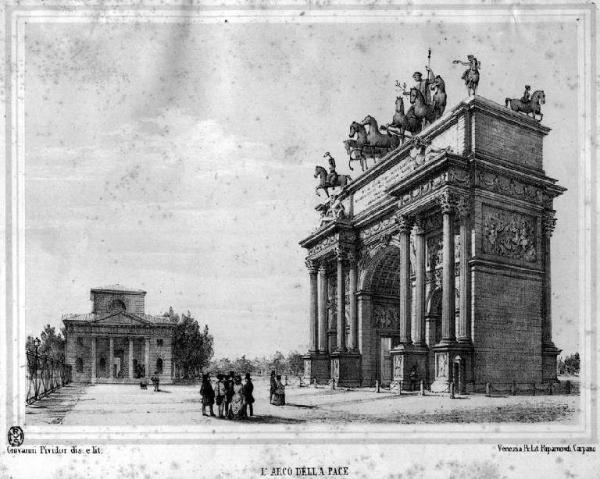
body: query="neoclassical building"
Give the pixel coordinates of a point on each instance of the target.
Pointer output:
(118, 342)
(439, 263)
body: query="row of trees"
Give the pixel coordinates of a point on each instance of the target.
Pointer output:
(192, 351)
(292, 364)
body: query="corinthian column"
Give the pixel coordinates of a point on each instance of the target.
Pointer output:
(419, 283)
(448, 284)
(322, 286)
(353, 337)
(341, 302)
(404, 226)
(548, 225)
(464, 323)
(313, 310)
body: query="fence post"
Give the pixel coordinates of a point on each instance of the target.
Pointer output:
(513, 388)
(422, 388)
(376, 385)
(488, 389)
(452, 390)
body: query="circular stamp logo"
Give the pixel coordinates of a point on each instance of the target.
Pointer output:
(15, 436)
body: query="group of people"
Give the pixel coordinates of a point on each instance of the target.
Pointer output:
(234, 399)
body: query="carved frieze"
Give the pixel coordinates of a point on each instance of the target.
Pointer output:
(508, 186)
(340, 238)
(376, 228)
(385, 316)
(509, 234)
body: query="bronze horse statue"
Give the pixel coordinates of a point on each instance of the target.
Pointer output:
(438, 97)
(533, 106)
(402, 123)
(354, 147)
(421, 110)
(377, 139)
(341, 180)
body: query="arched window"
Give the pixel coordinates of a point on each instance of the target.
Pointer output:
(79, 365)
(117, 305)
(159, 366)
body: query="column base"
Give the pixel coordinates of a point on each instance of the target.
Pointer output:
(452, 364)
(316, 368)
(345, 368)
(409, 363)
(549, 366)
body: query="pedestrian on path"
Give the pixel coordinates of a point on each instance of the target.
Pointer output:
(248, 397)
(208, 395)
(220, 395)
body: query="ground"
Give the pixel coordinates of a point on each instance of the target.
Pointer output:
(112, 404)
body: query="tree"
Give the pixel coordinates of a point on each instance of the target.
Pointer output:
(192, 347)
(52, 344)
(295, 363)
(572, 364)
(278, 362)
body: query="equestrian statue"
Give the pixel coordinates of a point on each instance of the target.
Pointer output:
(528, 104)
(331, 179)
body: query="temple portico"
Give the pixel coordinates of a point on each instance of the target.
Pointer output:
(436, 267)
(118, 342)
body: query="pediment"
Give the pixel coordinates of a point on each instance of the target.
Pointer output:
(122, 319)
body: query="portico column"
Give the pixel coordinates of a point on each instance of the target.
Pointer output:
(353, 336)
(405, 225)
(147, 358)
(111, 353)
(419, 283)
(322, 286)
(93, 378)
(464, 324)
(130, 358)
(448, 283)
(341, 302)
(549, 223)
(313, 310)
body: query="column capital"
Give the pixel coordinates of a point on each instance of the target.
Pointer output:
(419, 224)
(312, 266)
(322, 268)
(405, 223)
(343, 253)
(548, 222)
(448, 202)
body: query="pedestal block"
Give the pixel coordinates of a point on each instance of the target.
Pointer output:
(549, 354)
(409, 365)
(316, 368)
(345, 368)
(453, 363)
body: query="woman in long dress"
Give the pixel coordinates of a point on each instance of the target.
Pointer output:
(237, 401)
(278, 398)
(273, 386)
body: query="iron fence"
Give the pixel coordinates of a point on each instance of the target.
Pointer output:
(44, 375)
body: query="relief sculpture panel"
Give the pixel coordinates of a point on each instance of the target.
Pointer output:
(509, 234)
(385, 316)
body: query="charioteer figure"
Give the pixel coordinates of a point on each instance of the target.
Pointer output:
(422, 84)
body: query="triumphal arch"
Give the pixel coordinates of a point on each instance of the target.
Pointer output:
(434, 264)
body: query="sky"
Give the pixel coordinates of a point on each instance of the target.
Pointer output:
(179, 158)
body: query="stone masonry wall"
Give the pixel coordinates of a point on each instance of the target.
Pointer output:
(507, 332)
(507, 141)
(79, 349)
(134, 303)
